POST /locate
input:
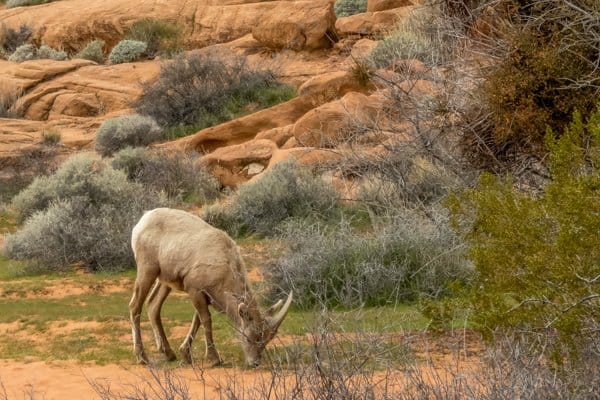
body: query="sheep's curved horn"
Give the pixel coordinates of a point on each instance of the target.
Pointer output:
(276, 320)
(274, 308)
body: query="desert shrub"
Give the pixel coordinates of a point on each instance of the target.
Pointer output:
(11, 39)
(421, 35)
(50, 137)
(545, 56)
(28, 52)
(537, 256)
(19, 170)
(82, 213)
(92, 51)
(175, 173)
(406, 257)
(161, 37)
(8, 100)
(127, 51)
(126, 131)
(345, 8)
(24, 3)
(201, 90)
(46, 52)
(286, 191)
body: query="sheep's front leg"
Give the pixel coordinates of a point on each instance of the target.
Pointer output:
(140, 291)
(203, 314)
(155, 301)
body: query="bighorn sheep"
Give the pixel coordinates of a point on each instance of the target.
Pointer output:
(186, 253)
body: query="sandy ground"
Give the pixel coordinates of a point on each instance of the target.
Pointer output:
(71, 380)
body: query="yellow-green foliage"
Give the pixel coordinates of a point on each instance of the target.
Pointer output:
(538, 257)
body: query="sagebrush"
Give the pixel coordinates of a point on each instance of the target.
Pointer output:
(92, 51)
(198, 89)
(83, 213)
(287, 191)
(175, 173)
(127, 51)
(407, 257)
(126, 131)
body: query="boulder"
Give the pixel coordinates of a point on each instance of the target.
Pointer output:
(382, 5)
(302, 25)
(362, 49)
(233, 165)
(75, 105)
(75, 88)
(279, 135)
(334, 122)
(371, 23)
(330, 86)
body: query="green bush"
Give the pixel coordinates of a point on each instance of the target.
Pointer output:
(537, 256)
(126, 131)
(406, 257)
(161, 37)
(175, 173)
(286, 191)
(203, 90)
(127, 51)
(82, 213)
(28, 52)
(92, 51)
(345, 8)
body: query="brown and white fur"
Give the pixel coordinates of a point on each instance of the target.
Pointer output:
(177, 250)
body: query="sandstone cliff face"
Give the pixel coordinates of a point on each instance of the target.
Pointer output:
(70, 24)
(295, 39)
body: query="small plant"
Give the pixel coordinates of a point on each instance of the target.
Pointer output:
(362, 73)
(286, 191)
(8, 100)
(46, 52)
(50, 137)
(345, 8)
(126, 131)
(92, 51)
(127, 51)
(161, 37)
(177, 174)
(28, 52)
(11, 39)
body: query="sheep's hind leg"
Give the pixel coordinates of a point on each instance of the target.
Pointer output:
(140, 292)
(155, 301)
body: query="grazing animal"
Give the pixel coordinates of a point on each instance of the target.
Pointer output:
(178, 250)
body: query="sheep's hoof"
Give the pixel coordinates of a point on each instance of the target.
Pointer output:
(216, 363)
(187, 355)
(170, 355)
(142, 359)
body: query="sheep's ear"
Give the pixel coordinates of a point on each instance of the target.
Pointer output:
(243, 312)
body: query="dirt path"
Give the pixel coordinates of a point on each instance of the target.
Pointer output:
(70, 380)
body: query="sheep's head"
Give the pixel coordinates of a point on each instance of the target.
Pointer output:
(257, 331)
